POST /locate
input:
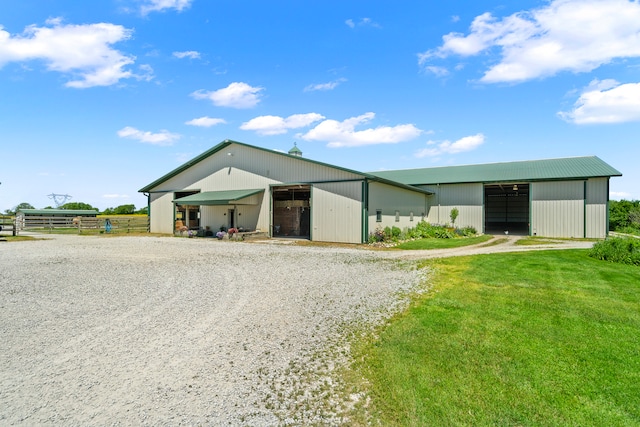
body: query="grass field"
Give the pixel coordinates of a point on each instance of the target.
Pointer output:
(546, 338)
(435, 243)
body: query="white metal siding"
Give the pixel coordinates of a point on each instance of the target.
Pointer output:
(336, 212)
(468, 198)
(596, 208)
(238, 168)
(161, 213)
(390, 200)
(557, 208)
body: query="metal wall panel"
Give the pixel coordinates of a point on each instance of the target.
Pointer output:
(336, 212)
(161, 213)
(239, 168)
(410, 206)
(468, 198)
(557, 209)
(597, 224)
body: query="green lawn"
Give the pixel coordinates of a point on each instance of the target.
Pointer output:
(547, 338)
(443, 243)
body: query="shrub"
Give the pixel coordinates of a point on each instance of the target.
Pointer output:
(377, 236)
(620, 250)
(395, 232)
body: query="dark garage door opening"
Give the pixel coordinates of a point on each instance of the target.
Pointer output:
(291, 211)
(506, 209)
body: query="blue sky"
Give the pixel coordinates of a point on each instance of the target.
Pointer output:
(99, 101)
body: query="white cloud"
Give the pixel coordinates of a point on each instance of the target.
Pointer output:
(363, 22)
(236, 95)
(468, 143)
(275, 125)
(563, 35)
(343, 134)
(191, 54)
(619, 195)
(324, 86)
(438, 71)
(205, 122)
(83, 51)
(606, 101)
(161, 5)
(164, 137)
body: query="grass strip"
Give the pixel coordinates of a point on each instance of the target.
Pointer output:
(539, 338)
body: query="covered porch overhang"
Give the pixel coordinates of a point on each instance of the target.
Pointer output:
(220, 198)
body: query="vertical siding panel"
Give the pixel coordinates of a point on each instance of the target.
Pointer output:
(336, 211)
(390, 199)
(557, 208)
(597, 205)
(468, 198)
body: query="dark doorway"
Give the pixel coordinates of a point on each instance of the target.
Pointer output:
(506, 209)
(187, 215)
(291, 211)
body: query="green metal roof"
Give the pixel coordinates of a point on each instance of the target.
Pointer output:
(227, 142)
(216, 198)
(58, 212)
(532, 170)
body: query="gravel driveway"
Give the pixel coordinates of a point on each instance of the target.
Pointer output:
(167, 331)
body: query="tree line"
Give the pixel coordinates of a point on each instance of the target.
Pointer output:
(118, 210)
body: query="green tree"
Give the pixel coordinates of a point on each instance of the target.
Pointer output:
(620, 213)
(143, 211)
(23, 205)
(454, 215)
(124, 210)
(77, 206)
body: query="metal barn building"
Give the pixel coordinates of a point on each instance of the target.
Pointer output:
(566, 197)
(236, 185)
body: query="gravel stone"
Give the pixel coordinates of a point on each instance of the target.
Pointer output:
(116, 331)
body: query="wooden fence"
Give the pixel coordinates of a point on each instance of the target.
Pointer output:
(7, 224)
(114, 224)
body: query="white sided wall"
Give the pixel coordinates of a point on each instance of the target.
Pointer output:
(467, 198)
(237, 167)
(597, 208)
(558, 208)
(336, 212)
(400, 208)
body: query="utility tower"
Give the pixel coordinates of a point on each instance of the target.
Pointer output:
(59, 199)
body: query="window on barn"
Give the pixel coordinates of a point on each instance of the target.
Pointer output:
(397, 216)
(378, 215)
(410, 216)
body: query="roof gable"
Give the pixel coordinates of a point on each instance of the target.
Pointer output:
(531, 170)
(224, 144)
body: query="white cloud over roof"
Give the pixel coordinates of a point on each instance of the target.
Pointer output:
(467, 143)
(606, 101)
(164, 137)
(275, 125)
(205, 122)
(236, 95)
(563, 35)
(82, 51)
(344, 133)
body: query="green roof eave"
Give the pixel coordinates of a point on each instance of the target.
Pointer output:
(218, 198)
(227, 142)
(572, 168)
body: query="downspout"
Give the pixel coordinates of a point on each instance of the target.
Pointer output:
(365, 211)
(149, 211)
(584, 212)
